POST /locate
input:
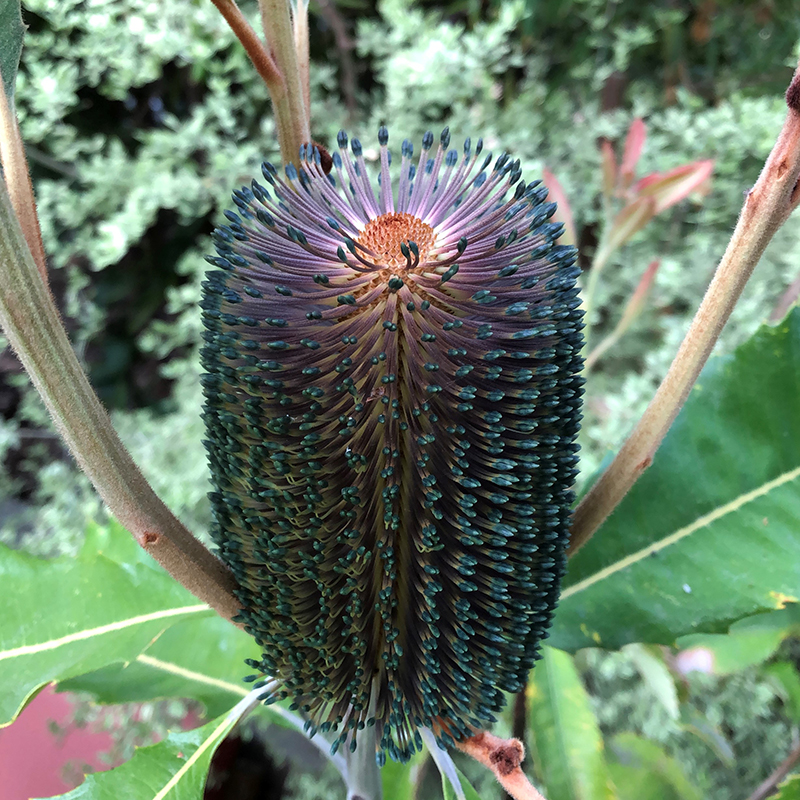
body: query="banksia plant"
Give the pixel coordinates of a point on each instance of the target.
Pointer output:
(392, 400)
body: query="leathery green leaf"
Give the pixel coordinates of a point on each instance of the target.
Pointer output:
(202, 659)
(174, 769)
(567, 747)
(199, 658)
(709, 533)
(70, 616)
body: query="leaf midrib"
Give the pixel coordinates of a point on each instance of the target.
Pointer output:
(100, 630)
(681, 533)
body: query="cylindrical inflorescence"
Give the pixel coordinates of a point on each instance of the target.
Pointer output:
(393, 393)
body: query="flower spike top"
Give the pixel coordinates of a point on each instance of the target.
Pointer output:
(392, 399)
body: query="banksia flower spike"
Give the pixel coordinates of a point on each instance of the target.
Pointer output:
(392, 399)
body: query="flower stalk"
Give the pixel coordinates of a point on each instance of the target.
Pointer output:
(283, 64)
(290, 107)
(766, 208)
(300, 29)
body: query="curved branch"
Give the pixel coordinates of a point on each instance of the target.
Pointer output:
(291, 112)
(301, 46)
(768, 205)
(30, 320)
(20, 189)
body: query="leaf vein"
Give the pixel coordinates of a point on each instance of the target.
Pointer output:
(174, 669)
(101, 630)
(681, 533)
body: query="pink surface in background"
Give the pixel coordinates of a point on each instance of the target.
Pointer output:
(32, 758)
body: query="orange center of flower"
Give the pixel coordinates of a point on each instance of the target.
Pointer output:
(384, 235)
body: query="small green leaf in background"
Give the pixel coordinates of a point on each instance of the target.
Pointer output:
(11, 32)
(784, 677)
(789, 789)
(709, 533)
(70, 616)
(749, 641)
(566, 744)
(174, 769)
(643, 771)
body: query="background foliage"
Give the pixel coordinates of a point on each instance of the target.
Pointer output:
(140, 117)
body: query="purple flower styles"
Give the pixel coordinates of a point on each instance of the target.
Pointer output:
(393, 393)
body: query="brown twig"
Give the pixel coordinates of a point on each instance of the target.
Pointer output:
(18, 180)
(768, 787)
(503, 757)
(254, 47)
(768, 205)
(344, 45)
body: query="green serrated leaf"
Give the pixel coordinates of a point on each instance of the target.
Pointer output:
(709, 533)
(200, 658)
(643, 771)
(565, 737)
(11, 33)
(174, 769)
(70, 616)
